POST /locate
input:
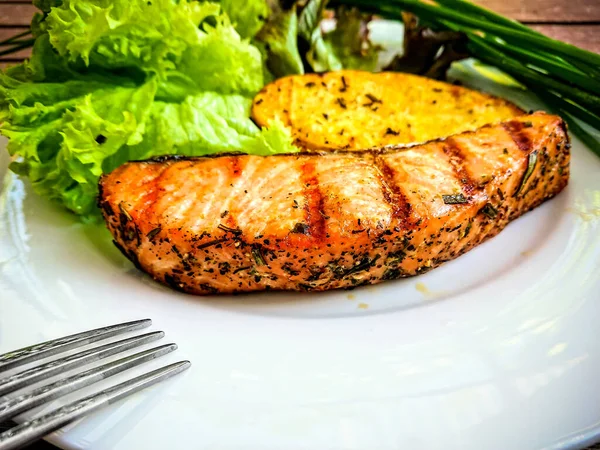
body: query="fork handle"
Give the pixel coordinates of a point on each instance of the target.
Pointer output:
(35, 429)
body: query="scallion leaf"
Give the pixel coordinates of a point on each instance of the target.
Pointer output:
(532, 161)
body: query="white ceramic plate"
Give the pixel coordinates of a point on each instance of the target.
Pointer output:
(498, 349)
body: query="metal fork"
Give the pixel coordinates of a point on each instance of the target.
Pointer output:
(12, 405)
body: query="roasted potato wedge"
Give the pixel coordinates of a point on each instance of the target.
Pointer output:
(353, 110)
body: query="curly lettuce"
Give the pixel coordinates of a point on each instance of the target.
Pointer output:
(116, 80)
(248, 18)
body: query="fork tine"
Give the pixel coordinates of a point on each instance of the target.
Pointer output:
(38, 351)
(43, 394)
(41, 426)
(51, 368)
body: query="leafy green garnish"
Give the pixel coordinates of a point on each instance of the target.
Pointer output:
(279, 41)
(349, 41)
(294, 42)
(249, 18)
(319, 55)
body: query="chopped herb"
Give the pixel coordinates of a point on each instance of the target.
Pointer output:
(489, 211)
(176, 251)
(454, 199)
(527, 124)
(300, 228)
(326, 116)
(530, 168)
(364, 264)
(125, 212)
(239, 269)
(229, 230)
(392, 274)
(392, 132)
(465, 232)
(224, 268)
(211, 243)
(344, 85)
(341, 102)
(372, 98)
(287, 267)
(505, 151)
(129, 234)
(500, 194)
(153, 232)
(337, 269)
(224, 213)
(309, 84)
(258, 257)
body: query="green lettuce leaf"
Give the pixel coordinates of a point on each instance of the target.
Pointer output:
(349, 41)
(347, 46)
(221, 61)
(278, 40)
(122, 32)
(248, 18)
(160, 38)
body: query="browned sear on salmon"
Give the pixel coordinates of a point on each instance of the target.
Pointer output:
(316, 222)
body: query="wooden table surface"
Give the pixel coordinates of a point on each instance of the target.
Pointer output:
(574, 21)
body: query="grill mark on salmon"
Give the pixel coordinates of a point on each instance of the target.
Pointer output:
(515, 130)
(314, 205)
(227, 216)
(235, 167)
(392, 193)
(189, 252)
(149, 197)
(456, 158)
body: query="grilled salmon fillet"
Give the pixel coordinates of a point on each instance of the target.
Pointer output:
(352, 109)
(242, 223)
